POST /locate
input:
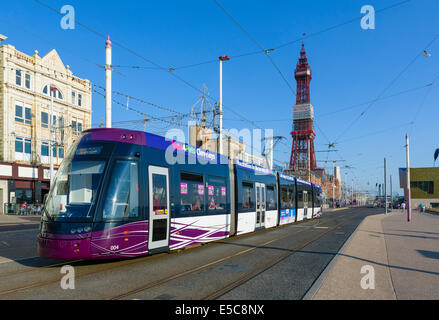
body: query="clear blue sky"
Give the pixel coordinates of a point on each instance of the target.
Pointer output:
(350, 66)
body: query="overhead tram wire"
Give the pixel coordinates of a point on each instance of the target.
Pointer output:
(142, 113)
(349, 107)
(389, 85)
(421, 105)
(144, 58)
(100, 66)
(281, 45)
(175, 123)
(173, 74)
(55, 76)
(339, 25)
(56, 73)
(49, 42)
(168, 70)
(259, 46)
(377, 132)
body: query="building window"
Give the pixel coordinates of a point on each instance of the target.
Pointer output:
(426, 186)
(23, 149)
(19, 117)
(19, 114)
(61, 152)
(79, 99)
(55, 93)
(74, 128)
(45, 149)
(44, 119)
(18, 77)
(27, 80)
(73, 97)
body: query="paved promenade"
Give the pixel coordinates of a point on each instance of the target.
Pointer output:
(9, 220)
(404, 256)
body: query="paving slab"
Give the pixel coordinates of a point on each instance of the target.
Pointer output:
(413, 254)
(18, 219)
(366, 247)
(404, 256)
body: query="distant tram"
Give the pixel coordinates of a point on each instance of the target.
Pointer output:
(122, 193)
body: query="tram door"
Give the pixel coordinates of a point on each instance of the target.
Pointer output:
(158, 208)
(260, 205)
(305, 204)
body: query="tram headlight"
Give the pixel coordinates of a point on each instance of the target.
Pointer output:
(80, 230)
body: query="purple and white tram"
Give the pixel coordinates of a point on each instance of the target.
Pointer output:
(122, 193)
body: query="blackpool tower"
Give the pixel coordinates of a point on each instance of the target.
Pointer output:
(302, 160)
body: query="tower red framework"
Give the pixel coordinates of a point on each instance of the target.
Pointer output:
(302, 151)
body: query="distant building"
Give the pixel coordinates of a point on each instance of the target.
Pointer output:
(205, 138)
(424, 186)
(25, 87)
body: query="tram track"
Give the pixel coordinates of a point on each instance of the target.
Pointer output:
(57, 278)
(102, 267)
(254, 273)
(218, 261)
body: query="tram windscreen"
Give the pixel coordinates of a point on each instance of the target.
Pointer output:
(74, 189)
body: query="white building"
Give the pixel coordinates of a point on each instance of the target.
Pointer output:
(205, 138)
(25, 83)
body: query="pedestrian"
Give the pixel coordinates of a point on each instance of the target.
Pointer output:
(403, 206)
(421, 208)
(23, 208)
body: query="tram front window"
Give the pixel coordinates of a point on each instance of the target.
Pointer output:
(74, 189)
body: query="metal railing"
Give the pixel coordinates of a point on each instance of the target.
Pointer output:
(23, 209)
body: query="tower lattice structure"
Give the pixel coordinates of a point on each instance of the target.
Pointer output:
(302, 152)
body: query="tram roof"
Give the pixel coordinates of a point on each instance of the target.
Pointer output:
(151, 140)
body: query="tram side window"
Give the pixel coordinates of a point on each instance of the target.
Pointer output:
(216, 193)
(287, 198)
(122, 200)
(318, 198)
(271, 199)
(248, 196)
(191, 192)
(300, 197)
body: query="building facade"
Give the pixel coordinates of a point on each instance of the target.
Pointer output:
(424, 186)
(26, 83)
(205, 138)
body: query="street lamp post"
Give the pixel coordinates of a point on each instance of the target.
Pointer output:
(352, 197)
(221, 59)
(333, 185)
(108, 89)
(385, 187)
(407, 154)
(52, 93)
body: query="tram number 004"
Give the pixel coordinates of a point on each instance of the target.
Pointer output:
(115, 247)
(241, 309)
